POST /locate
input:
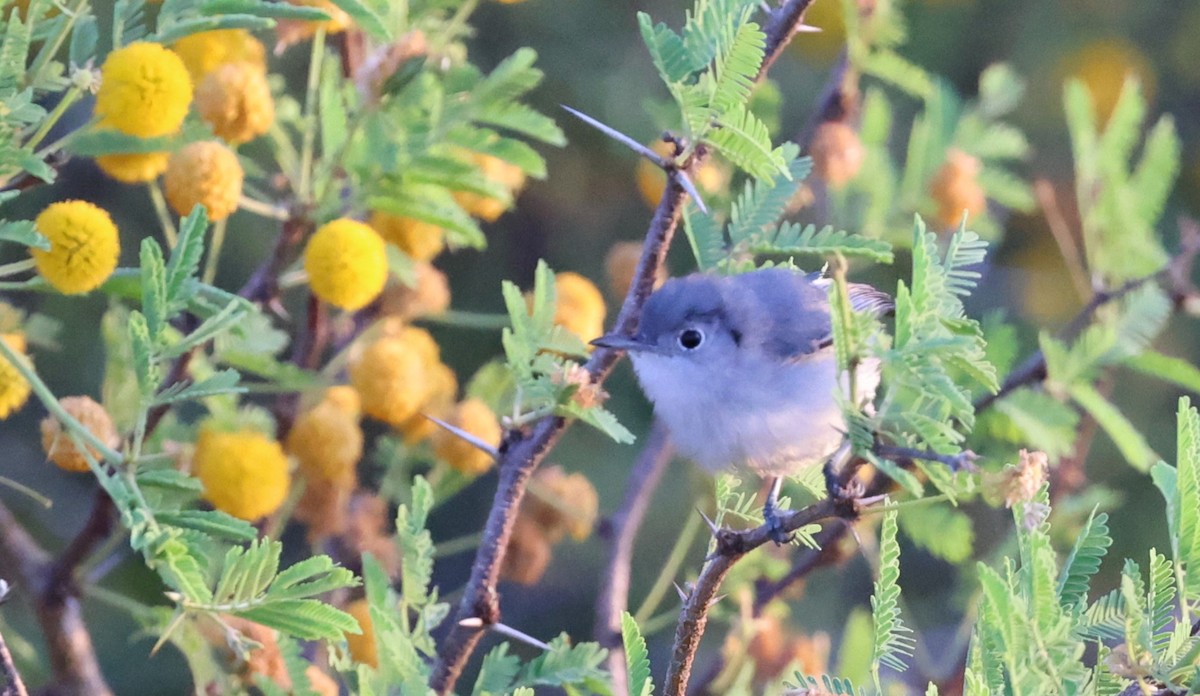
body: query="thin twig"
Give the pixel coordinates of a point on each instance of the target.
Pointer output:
(13, 686)
(731, 547)
(622, 530)
(1063, 236)
(522, 452)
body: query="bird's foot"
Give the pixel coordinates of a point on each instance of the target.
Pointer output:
(852, 490)
(772, 519)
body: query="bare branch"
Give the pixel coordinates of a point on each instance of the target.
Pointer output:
(522, 452)
(780, 27)
(12, 686)
(622, 530)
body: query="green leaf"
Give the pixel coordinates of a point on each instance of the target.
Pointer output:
(1187, 504)
(1124, 435)
(306, 619)
(497, 672)
(221, 382)
(761, 203)
(637, 660)
(567, 665)
(1084, 561)
(1155, 175)
(1040, 421)
(154, 288)
(185, 257)
(895, 70)
(745, 141)
(211, 522)
(1167, 368)
(143, 353)
(670, 56)
(23, 232)
(943, 530)
(180, 569)
(736, 70)
(793, 238)
(365, 18)
(416, 544)
(704, 236)
(893, 641)
(259, 8)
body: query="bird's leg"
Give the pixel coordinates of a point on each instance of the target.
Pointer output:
(834, 487)
(771, 514)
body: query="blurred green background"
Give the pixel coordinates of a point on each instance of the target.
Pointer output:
(594, 61)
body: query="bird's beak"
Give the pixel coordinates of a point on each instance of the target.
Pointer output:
(625, 343)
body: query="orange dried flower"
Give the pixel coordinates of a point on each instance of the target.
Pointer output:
(58, 444)
(504, 173)
(326, 440)
(473, 416)
(362, 646)
(562, 503)
(422, 241)
(528, 553)
(955, 189)
(204, 173)
(837, 153)
(430, 296)
(620, 265)
(236, 101)
(204, 51)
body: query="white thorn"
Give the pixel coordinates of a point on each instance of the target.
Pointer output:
(476, 442)
(808, 29)
(683, 597)
(471, 622)
(688, 186)
(518, 635)
(618, 136)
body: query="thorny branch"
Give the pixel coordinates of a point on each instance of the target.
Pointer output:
(522, 452)
(621, 531)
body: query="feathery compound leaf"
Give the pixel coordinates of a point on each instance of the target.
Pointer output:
(497, 672)
(637, 660)
(1084, 561)
(1161, 599)
(211, 522)
(761, 203)
(23, 232)
(942, 530)
(1128, 439)
(893, 640)
(1105, 619)
(185, 257)
(416, 544)
(793, 238)
(1167, 368)
(666, 48)
(704, 236)
(1138, 637)
(736, 69)
(1156, 171)
(566, 665)
(154, 287)
(745, 141)
(306, 619)
(1187, 504)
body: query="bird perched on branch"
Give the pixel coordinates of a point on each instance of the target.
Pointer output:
(742, 370)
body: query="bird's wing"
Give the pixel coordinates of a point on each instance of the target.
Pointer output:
(863, 298)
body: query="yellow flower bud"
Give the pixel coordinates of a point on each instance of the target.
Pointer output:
(418, 340)
(430, 296)
(955, 189)
(14, 390)
(84, 246)
(474, 417)
(236, 101)
(58, 444)
(203, 51)
(837, 153)
(245, 473)
(346, 263)
(362, 645)
(420, 240)
(134, 168)
(326, 440)
(144, 90)
(392, 379)
(205, 173)
(580, 308)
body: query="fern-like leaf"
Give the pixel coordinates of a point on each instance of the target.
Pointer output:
(1084, 560)
(893, 641)
(637, 660)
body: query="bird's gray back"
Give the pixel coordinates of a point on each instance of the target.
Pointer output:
(778, 310)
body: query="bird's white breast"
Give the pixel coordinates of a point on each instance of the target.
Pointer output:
(773, 418)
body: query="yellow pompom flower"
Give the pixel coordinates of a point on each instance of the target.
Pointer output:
(14, 390)
(245, 473)
(205, 173)
(236, 101)
(58, 444)
(651, 180)
(474, 417)
(326, 440)
(346, 262)
(580, 308)
(134, 168)
(507, 175)
(620, 265)
(1103, 66)
(422, 241)
(204, 51)
(417, 339)
(392, 379)
(84, 246)
(144, 90)
(429, 296)
(362, 645)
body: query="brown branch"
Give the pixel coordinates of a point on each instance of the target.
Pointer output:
(621, 530)
(731, 547)
(72, 656)
(12, 686)
(522, 452)
(780, 28)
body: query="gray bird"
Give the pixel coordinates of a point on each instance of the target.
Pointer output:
(742, 371)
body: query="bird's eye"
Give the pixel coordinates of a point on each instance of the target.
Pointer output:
(690, 339)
